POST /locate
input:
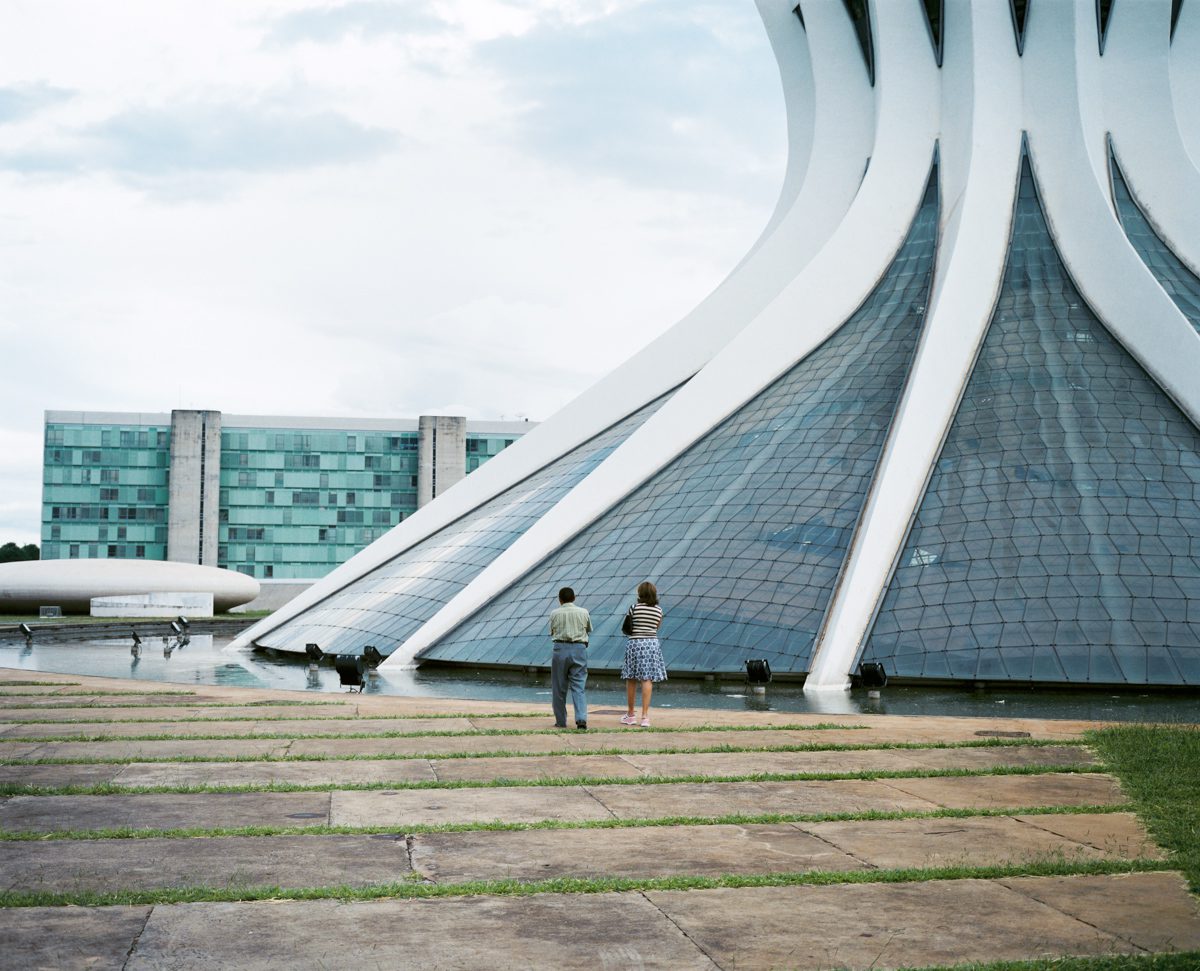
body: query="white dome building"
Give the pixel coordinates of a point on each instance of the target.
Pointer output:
(72, 584)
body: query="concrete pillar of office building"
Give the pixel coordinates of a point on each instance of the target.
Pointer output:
(195, 487)
(441, 455)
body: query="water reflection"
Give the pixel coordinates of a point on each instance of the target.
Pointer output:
(204, 660)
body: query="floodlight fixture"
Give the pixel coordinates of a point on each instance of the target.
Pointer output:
(871, 674)
(314, 653)
(183, 622)
(175, 626)
(372, 657)
(137, 641)
(27, 632)
(758, 671)
(350, 669)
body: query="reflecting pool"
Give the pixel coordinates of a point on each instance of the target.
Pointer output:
(205, 660)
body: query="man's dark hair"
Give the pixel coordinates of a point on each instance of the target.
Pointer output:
(566, 595)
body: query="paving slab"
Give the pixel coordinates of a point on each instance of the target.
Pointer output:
(290, 727)
(1153, 911)
(869, 760)
(132, 751)
(340, 772)
(524, 804)
(1118, 834)
(237, 862)
(981, 841)
(408, 807)
(160, 711)
(639, 740)
(48, 814)
(710, 799)
(430, 745)
(638, 852)
(68, 938)
(744, 763)
(713, 799)
(1016, 791)
(880, 926)
(55, 698)
(54, 776)
(608, 932)
(1054, 756)
(538, 767)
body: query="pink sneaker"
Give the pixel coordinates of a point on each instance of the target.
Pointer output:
(628, 720)
(645, 723)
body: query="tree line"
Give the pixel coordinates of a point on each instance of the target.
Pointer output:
(11, 552)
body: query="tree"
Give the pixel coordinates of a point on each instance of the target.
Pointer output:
(11, 552)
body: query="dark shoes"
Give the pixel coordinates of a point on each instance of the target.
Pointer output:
(582, 726)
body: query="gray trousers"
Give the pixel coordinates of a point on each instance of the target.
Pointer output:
(568, 669)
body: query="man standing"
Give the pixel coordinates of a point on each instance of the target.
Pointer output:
(569, 629)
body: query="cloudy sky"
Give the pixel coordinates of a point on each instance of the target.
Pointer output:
(371, 208)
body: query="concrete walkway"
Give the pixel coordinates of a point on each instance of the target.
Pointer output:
(390, 774)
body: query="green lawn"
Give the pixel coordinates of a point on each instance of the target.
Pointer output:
(1159, 768)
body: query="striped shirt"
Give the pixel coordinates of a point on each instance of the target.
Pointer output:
(646, 620)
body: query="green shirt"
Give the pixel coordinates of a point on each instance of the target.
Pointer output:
(570, 623)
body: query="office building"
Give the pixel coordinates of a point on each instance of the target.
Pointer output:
(272, 497)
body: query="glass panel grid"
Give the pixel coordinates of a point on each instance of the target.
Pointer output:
(1059, 539)
(745, 533)
(1181, 284)
(387, 605)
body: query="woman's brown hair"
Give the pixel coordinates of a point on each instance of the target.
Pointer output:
(647, 594)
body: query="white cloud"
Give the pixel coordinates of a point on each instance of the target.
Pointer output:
(367, 208)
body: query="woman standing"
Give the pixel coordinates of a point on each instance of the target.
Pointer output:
(643, 655)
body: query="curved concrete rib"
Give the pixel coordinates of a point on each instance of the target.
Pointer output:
(1066, 131)
(1185, 78)
(980, 153)
(820, 299)
(1140, 113)
(835, 149)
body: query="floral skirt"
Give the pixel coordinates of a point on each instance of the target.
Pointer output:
(643, 660)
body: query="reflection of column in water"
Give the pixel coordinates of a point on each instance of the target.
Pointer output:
(831, 703)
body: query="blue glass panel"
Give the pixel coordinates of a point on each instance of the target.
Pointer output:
(1172, 275)
(385, 606)
(744, 533)
(1051, 528)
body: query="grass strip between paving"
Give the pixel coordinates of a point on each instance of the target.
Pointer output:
(115, 789)
(1159, 769)
(413, 890)
(76, 706)
(413, 829)
(519, 753)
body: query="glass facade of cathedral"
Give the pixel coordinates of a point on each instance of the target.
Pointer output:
(1058, 539)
